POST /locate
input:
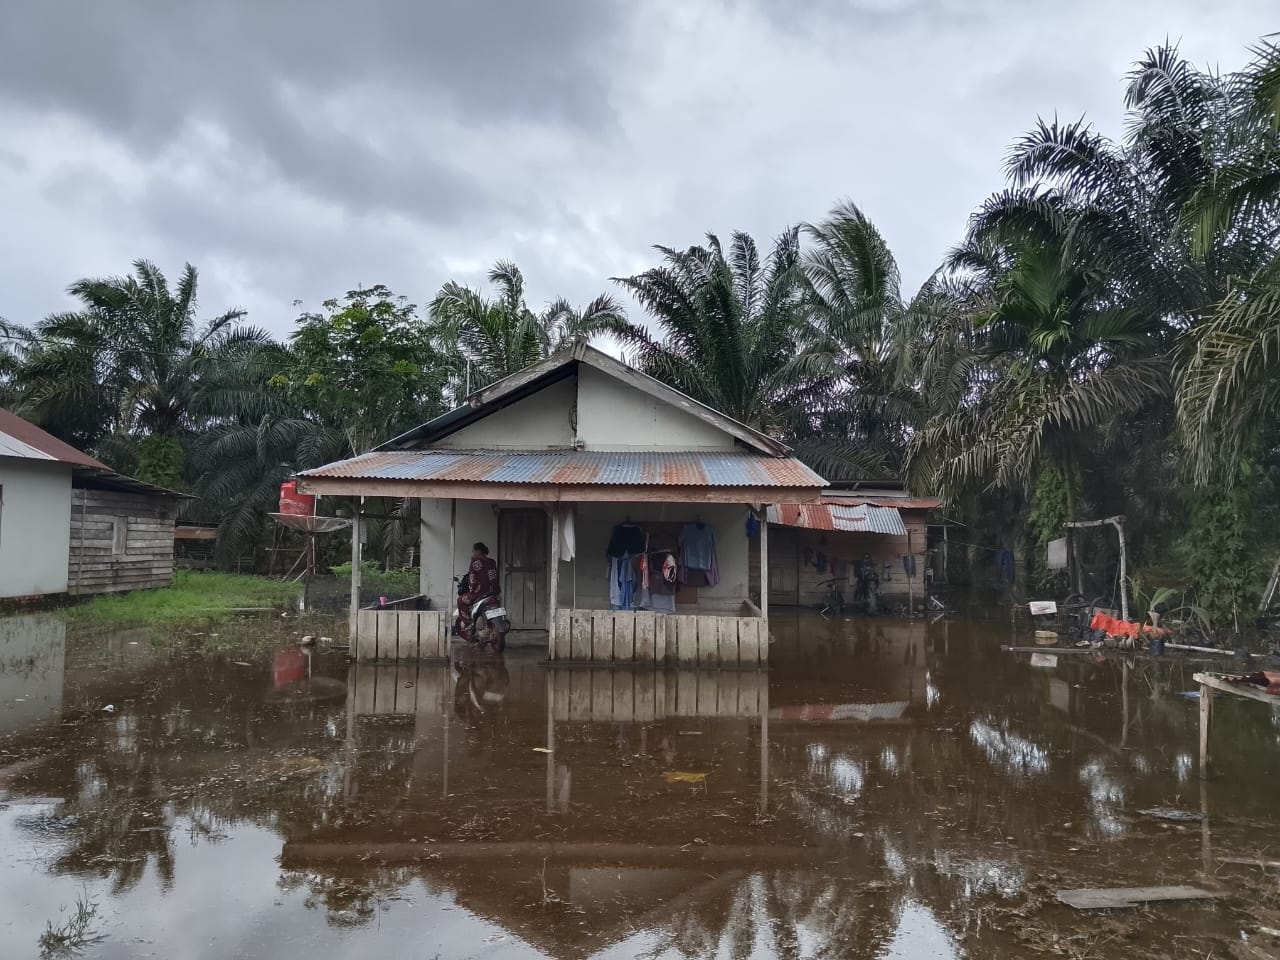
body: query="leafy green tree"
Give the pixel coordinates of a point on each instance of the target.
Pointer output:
(365, 366)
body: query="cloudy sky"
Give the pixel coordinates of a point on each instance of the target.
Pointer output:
(294, 149)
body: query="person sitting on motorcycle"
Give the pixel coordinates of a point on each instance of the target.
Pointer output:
(482, 581)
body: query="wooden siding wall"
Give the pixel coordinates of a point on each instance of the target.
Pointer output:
(788, 545)
(95, 566)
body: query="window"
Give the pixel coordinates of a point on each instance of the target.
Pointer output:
(119, 536)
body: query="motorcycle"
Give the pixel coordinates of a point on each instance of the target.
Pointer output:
(490, 622)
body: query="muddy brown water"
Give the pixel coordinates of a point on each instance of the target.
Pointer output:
(887, 789)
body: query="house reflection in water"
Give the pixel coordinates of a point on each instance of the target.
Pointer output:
(644, 801)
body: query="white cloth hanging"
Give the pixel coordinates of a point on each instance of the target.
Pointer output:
(568, 544)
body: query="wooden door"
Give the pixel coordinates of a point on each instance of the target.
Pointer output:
(784, 569)
(522, 560)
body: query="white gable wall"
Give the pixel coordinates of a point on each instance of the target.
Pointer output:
(35, 527)
(613, 415)
(539, 421)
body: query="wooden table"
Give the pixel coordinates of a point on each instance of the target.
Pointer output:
(1208, 684)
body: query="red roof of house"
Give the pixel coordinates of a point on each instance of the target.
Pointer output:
(20, 438)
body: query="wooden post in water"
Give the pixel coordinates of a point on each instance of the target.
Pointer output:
(553, 588)
(1206, 717)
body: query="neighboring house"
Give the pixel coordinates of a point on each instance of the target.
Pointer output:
(810, 544)
(69, 524)
(545, 466)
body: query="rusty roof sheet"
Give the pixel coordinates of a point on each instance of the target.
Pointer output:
(20, 438)
(847, 518)
(575, 467)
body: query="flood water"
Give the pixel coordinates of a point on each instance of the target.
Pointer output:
(886, 790)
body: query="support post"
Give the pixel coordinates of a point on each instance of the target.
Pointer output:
(553, 589)
(1118, 523)
(453, 547)
(1206, 718)
(424, 582)
(764, 575)
(356, 523)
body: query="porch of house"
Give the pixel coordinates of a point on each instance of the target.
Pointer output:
(554, 569)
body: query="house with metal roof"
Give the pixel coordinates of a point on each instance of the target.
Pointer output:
(69, 524)
(854, 527)
(590, 482)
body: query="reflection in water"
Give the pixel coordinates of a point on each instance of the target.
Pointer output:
(1016, 755)
(878, 793)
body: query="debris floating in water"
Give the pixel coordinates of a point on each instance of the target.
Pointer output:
(684, 776)
(1170, 813)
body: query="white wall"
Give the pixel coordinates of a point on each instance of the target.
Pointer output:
(476, 521)
(35, 527)
(538, 421)
(593, 525)
(615, 416)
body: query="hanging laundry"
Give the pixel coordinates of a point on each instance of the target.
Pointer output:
(626, 538)
(663, 574)
(568, 542)
(663, 603)
(697, 546)
(753, 526)
(622, 583)
(820, 562)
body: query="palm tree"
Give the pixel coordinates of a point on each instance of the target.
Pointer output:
(134, 356)
(1229, 391)
(1058, 353)
(728, 326)
(864, 339)
(490, 339)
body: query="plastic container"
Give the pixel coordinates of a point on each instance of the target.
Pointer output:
(296, 504)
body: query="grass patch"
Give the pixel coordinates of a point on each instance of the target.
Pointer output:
(396, 584)
(74, 933)
(196, 596)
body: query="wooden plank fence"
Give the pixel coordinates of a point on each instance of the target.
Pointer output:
(642, 636)
(583, 636)
(402, 635)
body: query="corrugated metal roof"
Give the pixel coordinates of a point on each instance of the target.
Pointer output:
(19, 438)
(570, 467)
(855, 518)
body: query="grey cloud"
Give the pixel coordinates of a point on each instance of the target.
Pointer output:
(293, 149)
(146, 67)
